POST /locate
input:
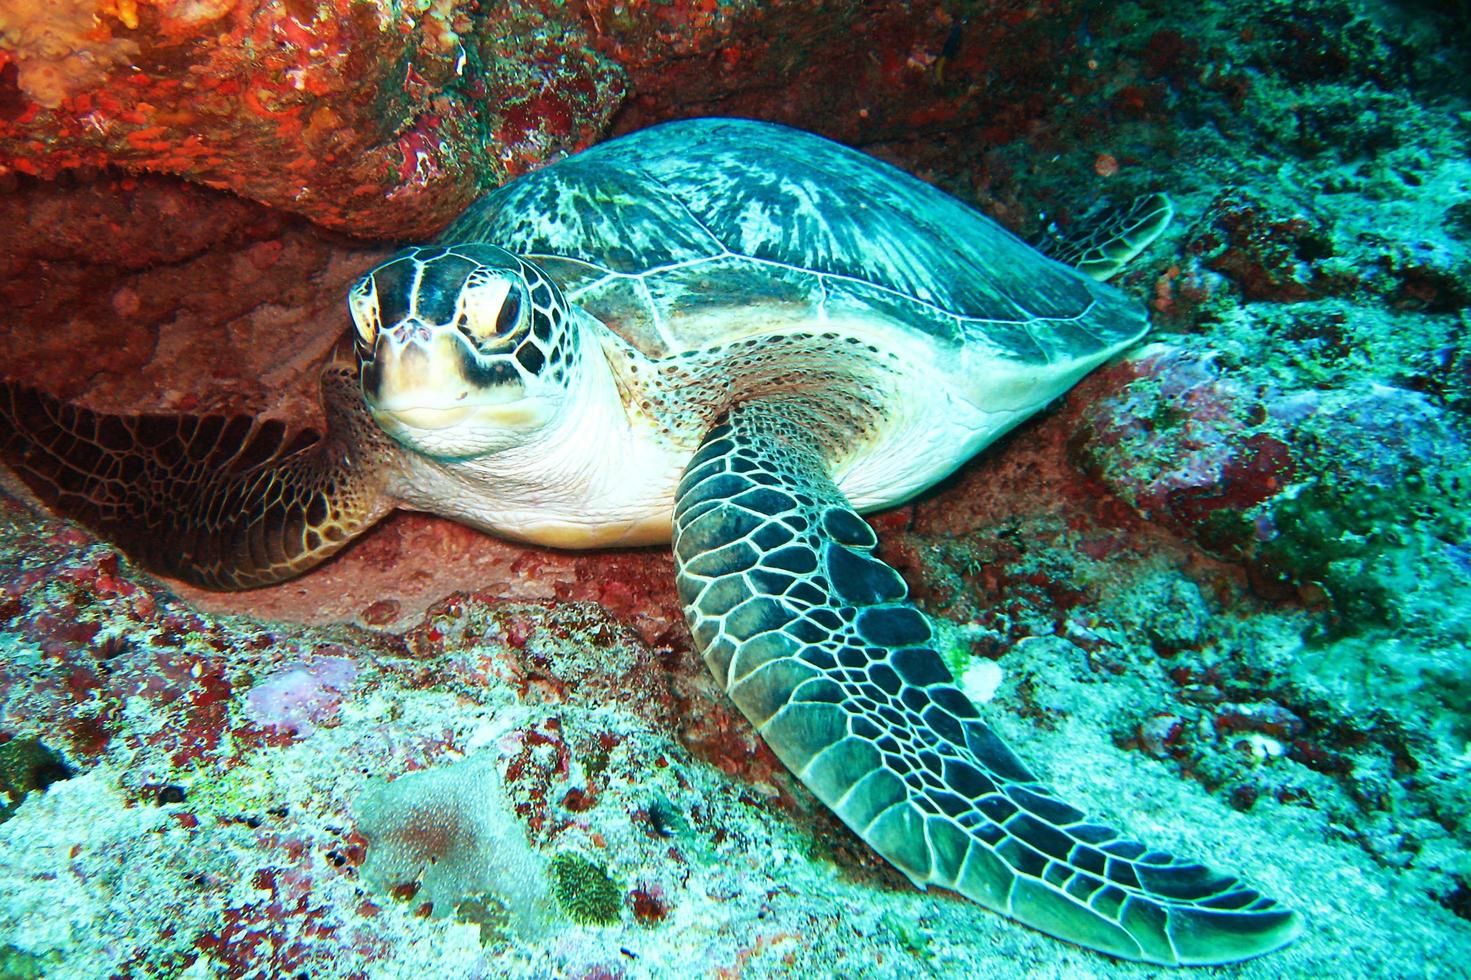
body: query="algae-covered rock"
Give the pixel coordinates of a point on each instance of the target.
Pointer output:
(25, 765)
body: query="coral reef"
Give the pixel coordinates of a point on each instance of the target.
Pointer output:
(382, 119)
(385, 119)
(449, 835)
(26, 765)
(298, 698)
(584, 890)
(1219, 595)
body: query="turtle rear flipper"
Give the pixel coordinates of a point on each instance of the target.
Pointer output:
(815, 641)
(223, 503)
(1104, 244)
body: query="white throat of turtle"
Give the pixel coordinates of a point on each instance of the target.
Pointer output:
(584, 479)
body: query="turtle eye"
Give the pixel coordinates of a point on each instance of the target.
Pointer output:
(482, 304)
(362, 302)
(510, 313)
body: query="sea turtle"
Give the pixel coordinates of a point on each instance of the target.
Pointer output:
(740, 336)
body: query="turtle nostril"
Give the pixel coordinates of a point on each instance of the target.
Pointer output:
(411, 331)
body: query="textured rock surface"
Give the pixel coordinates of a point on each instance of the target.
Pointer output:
(385, 119)
(382, 119)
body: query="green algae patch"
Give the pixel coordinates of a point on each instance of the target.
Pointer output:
(17, 964)
(584, 891)
(26, 764)
(1369, 547)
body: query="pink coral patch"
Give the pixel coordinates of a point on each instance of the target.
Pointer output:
(302, 696)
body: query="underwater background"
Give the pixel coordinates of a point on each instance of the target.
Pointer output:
(1222, 589)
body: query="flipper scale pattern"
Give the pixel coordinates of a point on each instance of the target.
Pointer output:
(814, 639)
(222, 503)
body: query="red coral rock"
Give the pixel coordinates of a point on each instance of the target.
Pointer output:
(366, 117)
(648, 905)
(1191, 447)
(1263, 717)
(1269, 257)
(1161, 735)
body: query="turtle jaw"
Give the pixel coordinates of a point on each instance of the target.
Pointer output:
(465, 431)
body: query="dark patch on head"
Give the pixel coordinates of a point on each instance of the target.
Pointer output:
(541, 326)
(393, 283)
(439, 289)
(531, 358)
(482, 372)
(541, 294)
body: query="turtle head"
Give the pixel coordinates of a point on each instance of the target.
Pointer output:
(463, 349)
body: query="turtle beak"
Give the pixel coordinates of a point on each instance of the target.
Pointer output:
(413, 367)
(429, 378)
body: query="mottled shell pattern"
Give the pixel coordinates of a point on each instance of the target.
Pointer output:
(657, 232)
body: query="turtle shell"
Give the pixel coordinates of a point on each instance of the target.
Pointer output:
(697, 232)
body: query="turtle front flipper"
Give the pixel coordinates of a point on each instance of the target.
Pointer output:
(223, 503)
(814, 640)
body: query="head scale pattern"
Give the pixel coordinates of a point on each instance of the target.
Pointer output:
(507, 311)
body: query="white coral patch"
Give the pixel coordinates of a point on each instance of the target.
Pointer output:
(981, 680)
